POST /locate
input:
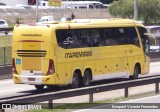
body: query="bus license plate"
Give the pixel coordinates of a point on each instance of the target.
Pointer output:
(31, 79)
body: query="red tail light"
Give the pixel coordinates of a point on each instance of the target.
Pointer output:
(51, 69)
(14, 66)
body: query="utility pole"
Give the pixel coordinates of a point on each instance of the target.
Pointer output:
(37, 10)
(136, 10)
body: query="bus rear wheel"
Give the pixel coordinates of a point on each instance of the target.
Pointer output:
(39, 87)
(86, 78)
(75, 80)
(136, 73)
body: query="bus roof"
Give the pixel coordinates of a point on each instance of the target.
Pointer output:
(90, 22)
(95, 21)
(105, 21)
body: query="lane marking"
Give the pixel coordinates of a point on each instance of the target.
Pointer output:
(12, 90)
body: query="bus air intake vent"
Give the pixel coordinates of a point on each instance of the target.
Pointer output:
(31, 53)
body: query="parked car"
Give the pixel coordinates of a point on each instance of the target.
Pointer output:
(3, 24)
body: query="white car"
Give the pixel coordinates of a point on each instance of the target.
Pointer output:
(3, 24)
(45, 19)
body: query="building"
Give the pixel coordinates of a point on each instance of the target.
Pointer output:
(16, 2)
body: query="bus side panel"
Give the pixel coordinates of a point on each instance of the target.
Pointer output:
(99, 67)
(60, 76)
(78, 65)
(68, 73)
(138, 57)
(108, 66)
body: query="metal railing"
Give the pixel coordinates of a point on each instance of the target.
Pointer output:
(31, 99)
(5, 47)
(5, 53)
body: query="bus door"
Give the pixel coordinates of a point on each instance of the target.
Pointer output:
(145, 43)
(133, 44)
(146, 49)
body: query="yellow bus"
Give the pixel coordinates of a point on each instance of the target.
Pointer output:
(78, 53)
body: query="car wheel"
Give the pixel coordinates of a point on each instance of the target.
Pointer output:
(6, 32)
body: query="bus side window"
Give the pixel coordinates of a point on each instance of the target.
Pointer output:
(121, 36)
(108, 35)
(102, 38)
(133, 37)
(84, 38)
(95, 37)
(61, 36)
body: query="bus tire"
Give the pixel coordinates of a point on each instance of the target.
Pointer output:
(86, 78)
(75, 80)
(39, 87)
(136, 73)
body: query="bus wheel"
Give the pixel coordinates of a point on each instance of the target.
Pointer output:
(39, 87)
(86, 78)
(75, 80)
(136, 73)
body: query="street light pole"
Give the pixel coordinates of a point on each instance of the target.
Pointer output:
(37, 10)
(136, 10)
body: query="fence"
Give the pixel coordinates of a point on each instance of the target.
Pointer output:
(5, 53)
(5, 47)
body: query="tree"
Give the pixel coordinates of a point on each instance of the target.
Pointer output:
(122, 8)
(149, 10)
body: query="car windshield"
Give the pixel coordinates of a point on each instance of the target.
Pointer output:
(2, 22)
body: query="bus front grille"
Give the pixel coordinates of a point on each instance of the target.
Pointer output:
(31, 53)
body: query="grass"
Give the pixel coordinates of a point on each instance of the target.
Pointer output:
(11, 25)
(5, 41)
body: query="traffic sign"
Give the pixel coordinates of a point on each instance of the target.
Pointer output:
(54, 3)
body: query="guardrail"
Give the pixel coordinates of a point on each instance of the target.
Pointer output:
(5, 54)
(6, 29)
(83, 91)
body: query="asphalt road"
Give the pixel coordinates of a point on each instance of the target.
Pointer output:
(8, 89)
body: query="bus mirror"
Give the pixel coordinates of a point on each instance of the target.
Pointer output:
(151, 37)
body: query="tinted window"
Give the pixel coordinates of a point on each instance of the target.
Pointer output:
(79, 38)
